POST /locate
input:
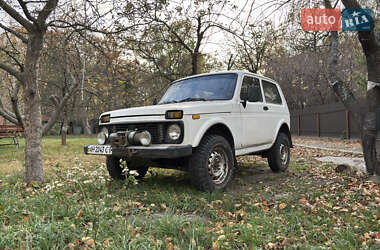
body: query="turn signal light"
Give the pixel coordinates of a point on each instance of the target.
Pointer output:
(174, 114)
(105, 118)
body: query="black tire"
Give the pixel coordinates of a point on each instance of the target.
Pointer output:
(140, 165)
(116, 172)
(279, 153)
(212, 164)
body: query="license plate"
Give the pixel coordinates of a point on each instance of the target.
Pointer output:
(99, 149)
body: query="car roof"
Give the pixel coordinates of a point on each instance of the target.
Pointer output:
(239, 72)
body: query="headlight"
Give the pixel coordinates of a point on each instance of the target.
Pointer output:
(174, 132)
(103, 135)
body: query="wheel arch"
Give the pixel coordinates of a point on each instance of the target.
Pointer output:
(217, 129)
(284, 128)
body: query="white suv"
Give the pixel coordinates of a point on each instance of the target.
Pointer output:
(200, 125)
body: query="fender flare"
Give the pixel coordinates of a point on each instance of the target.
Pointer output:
(206, 126)
(279, 126)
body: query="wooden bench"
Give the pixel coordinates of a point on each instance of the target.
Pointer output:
(11, 131)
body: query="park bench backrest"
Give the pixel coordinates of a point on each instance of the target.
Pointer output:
(10, 131)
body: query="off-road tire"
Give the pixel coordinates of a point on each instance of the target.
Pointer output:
(116, 172)
(279, 153)
(213, 149)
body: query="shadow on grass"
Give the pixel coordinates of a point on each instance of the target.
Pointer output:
(247, 176)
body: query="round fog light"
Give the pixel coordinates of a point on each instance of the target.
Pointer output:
(174, 132)
(144, 138)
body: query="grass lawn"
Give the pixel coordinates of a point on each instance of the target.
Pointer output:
(79, 206)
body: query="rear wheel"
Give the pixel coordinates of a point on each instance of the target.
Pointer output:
(279, 154)
(212, 164)
(116, 172)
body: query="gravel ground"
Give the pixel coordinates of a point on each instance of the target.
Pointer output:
(332, 150)
(333, 144)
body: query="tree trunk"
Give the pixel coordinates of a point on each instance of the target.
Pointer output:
(371, 137)
(32, 112)
(194, 63)
(64, 128)
(371, 49)
(86, 126)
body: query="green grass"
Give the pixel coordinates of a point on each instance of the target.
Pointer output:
(79, 206)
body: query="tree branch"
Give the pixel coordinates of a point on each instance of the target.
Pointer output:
(12, 71)
(45, 12)
(18, 35)
(13, 13)
(341, 90)
(366, 38)
(14, 100)
(8, 53)
(26, 11)
(62, 103)
(7, 114)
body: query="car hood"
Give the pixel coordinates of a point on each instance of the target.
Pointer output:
(188, 108)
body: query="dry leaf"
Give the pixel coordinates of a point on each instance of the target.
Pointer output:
(80, 213)
(271, 245)
(282, 205)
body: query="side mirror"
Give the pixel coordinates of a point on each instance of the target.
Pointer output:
(244, 96)
(244, 103)
(154, 101)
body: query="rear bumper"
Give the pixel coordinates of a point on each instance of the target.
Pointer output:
(151, 152)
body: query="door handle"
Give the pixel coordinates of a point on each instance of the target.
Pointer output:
(265, 108)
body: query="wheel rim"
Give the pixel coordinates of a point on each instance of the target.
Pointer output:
(218, 165)
(284, 154)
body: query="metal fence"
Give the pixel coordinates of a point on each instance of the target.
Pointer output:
(330, 120)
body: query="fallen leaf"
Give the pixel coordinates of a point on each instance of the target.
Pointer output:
(215, 245)
(221, 237)
(193, 243)
(80, 213)
(282, 205)
(90, 242)
(271, 245)
(169, 246)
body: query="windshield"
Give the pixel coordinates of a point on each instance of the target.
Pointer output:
(201, 88)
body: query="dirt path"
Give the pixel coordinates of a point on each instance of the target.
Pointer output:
(332, 144)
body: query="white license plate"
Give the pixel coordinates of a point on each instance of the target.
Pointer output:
(99, 149)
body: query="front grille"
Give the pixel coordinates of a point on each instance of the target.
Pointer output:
(156, 130)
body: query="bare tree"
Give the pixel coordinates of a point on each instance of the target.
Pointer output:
(183, 26)
(32, 20)
(370, 43)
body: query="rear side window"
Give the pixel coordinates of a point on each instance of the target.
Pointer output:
(271, 93)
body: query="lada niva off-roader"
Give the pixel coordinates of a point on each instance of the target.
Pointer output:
(200, 125)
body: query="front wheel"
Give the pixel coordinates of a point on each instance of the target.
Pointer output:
(279, 154)
(212, 164)
(116, 171)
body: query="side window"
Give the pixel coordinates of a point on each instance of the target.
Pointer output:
(250, 90)
(271, 93)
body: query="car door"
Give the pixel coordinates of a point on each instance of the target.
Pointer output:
(274, 108)
(252, 115)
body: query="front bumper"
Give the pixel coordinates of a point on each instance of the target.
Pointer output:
(151, 152)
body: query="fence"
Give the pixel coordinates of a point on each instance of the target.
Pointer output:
(330, 120)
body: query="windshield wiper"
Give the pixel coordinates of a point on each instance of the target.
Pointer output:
(191, 99)
(168, 102)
